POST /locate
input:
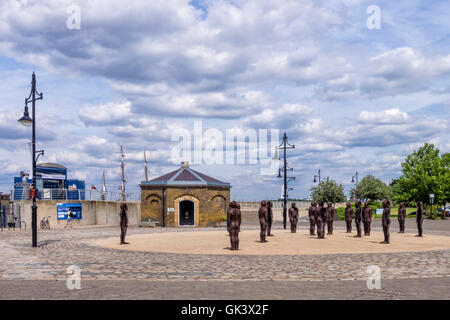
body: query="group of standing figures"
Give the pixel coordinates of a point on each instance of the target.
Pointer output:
(364, 214)
(321, 215)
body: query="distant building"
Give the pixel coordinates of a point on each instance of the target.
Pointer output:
(184, 197)
(51, 184)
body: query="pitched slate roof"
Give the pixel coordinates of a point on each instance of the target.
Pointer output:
(185, 176)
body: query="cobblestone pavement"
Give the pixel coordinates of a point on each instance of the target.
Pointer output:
(59, 249)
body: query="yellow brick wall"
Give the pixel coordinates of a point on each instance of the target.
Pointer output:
(210, 203)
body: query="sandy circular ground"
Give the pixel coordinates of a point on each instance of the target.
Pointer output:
(283, 243)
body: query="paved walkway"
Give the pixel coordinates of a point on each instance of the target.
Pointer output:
(330, 276)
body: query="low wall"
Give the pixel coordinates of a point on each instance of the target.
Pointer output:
(93, 212)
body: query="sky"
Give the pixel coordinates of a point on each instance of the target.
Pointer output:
(350, 97)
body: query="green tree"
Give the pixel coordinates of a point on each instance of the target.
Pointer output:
(328, 190)
(371, 188)
(424, 172)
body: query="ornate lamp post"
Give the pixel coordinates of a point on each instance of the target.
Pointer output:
(316, 176)
(27, 121)
(284, 146)
(355, 178)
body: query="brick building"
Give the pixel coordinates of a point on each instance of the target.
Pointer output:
(184, 197)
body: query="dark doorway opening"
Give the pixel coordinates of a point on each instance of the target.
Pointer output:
(186, 213)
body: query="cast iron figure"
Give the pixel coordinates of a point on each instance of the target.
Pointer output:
(321, 219)
(293, 217)
(401, 217)
(386, 220)
(263, 215)
(358, 218)
(330, 218)
(312, 218)
(270, 216)
(349, 217)
(419, 217)
(229, 211)
(367, 218)
(235, 226)
(123, 222)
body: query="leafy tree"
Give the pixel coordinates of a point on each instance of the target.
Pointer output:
(424, 171)
(371, 188)
(328, 190)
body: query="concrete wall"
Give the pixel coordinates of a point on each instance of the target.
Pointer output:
(93, 212)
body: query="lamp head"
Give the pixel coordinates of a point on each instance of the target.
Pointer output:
(26, 120)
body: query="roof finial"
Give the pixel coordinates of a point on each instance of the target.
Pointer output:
(185, 164)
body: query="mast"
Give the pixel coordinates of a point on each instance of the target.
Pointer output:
(104, 187)
(145, 166)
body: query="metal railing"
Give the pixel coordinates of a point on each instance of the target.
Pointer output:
(50, 194)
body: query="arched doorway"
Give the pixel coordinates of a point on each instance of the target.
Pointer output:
(186, 213)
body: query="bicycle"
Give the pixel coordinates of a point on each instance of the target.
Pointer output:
(45, 223)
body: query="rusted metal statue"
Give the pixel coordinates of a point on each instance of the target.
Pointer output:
(402, 217)
(321, 219)
(312, 218)
(419, 218)
(123, 222)
(330, 218)
(229, 211)
(293, 217)
(263, 215)
(386, 220)
(270, 215)
(235, 225)
(367, 218)
(358, 218)
(349, 217)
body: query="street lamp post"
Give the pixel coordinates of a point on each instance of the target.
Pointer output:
(316, 176)
(284, 146)
(26, 120)
(355, 178)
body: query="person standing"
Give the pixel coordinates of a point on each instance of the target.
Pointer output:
(330, 218)
(123, 222)
(358, 218)
(386, 220)
(235, 226)
(69, 219)
(402, 217)
(349, 217)
(263, 217)
(367, 218)
(293, 217)
(312, 218)
(270, 216)
(419, 218)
